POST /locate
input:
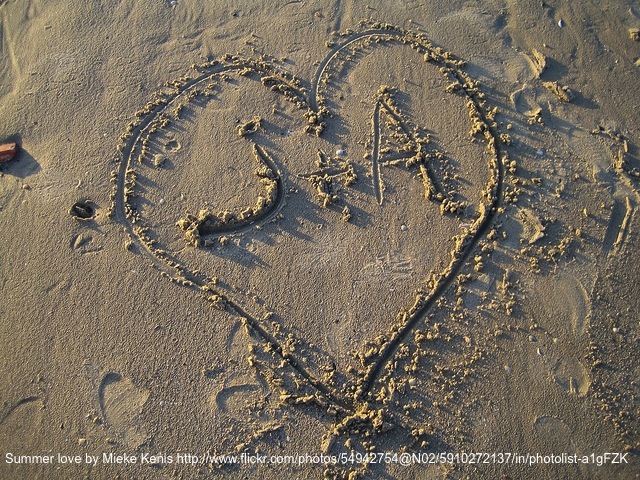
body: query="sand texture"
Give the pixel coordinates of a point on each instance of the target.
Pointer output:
(325, 228)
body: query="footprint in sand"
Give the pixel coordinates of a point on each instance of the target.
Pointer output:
(121, 402)
(552, 435)
(23, 415)
(21, 428)
(566, 310)
(84, 243)
(236, 394)
(572, 376)
(237, 397)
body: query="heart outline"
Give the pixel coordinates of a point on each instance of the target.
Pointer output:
(133, 144)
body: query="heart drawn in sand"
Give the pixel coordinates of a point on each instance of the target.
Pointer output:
(329, 216)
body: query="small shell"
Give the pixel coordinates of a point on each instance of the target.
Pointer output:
(341, 153)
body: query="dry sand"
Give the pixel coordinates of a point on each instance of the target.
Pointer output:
(312, 235)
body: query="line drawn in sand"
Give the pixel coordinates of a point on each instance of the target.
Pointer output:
(413, 147)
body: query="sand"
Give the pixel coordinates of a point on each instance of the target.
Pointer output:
(331, 229)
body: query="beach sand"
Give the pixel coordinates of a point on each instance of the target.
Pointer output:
(317, 231)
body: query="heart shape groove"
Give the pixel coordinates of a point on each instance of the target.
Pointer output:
(262, 203)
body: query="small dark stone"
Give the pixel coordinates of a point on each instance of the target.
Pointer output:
(83, 210)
